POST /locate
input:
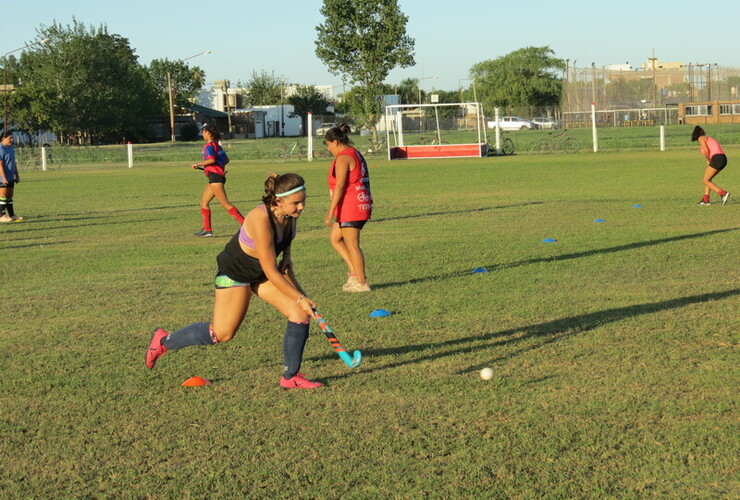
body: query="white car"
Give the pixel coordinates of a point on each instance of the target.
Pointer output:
(324, 128)
(512, 123)
(545, 122)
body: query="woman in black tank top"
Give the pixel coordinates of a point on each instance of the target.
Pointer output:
(256, 272)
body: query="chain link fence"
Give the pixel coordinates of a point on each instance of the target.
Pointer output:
(642, 97)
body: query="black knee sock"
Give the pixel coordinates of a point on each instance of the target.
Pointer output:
(3, 205)
(9, 207)
(195, 334)
(294, 340)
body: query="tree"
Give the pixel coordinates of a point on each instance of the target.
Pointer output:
(84, 81)
(521, 79)
(354, 106)
(363, 40)
(307, 99)
(186, 82)
(263, 89)
(408, 90)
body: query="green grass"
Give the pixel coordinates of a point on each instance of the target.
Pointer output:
(611, 139)
(614, 349)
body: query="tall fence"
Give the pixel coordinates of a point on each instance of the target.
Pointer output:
(637, 97)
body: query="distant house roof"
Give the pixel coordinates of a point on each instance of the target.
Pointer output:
(211, 113)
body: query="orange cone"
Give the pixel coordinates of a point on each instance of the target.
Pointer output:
(195, 382)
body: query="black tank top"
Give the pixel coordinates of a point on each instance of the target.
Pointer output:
(239, 266)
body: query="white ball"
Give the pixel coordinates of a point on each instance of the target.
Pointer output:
(486, 373)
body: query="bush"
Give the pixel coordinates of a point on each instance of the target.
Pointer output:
(189, 132)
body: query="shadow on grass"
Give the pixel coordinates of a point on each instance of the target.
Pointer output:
(76, 226)
(457, 212)
(556, 258)
(547, 332)
(35, 245)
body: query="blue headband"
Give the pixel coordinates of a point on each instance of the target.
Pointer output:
(292, 191)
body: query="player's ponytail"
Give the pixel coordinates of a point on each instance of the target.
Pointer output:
(340, 133)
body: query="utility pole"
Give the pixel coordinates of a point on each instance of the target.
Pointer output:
(171, 93)
(653, 62)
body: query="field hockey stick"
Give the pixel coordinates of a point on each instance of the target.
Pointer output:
(351, 361)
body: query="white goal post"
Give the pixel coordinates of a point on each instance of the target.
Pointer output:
(441, 130)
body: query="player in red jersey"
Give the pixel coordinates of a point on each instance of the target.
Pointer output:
(213, 166)
(351, 205)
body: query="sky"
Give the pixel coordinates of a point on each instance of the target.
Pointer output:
(278, 37)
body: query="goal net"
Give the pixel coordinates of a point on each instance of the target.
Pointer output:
(435, 131)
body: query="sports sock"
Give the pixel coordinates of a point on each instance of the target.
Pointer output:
(3, 205)
(294, 340)
(722, 192)
(195, 334)
(234, 212)
(206, 214)
(705, 197)
(9, 206)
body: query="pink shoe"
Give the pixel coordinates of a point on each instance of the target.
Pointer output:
(298, 382)
(156, 349)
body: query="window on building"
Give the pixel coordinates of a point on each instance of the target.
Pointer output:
(699, 110)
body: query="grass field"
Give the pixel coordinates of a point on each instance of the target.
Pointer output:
(614, 350)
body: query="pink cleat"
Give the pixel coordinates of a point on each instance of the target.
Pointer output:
(298, 382)
(156, 349)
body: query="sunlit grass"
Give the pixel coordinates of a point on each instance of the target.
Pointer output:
(614, 349)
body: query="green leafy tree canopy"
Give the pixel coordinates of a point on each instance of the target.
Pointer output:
(186, 82)
(307, 100)
(85, 82)
(527, 77)
(363, 40)
(263, 89)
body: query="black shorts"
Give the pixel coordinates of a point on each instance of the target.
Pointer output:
(357, 224)
(214, 178)
(9, 185)
(718, 162)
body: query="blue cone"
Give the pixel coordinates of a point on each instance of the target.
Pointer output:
(549, 240)
(480, 270)
(380, 313)
(599, 220)
(636, 206)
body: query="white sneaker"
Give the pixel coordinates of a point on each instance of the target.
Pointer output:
(6, 218)
(351, 281)
(726, 197)
(357, 287)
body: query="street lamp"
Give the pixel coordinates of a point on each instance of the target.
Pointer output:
(424, 78)
(472, 80)
(5, 78)
(171, 93)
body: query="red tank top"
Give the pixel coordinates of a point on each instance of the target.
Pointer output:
(357, 202)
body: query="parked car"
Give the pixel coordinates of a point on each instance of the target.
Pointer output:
(545, 122)
(324, 128)
(512, 123)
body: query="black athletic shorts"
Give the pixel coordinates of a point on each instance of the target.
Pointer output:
(718, 162)
(7, 184)
(357, 224)
(214, 178)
